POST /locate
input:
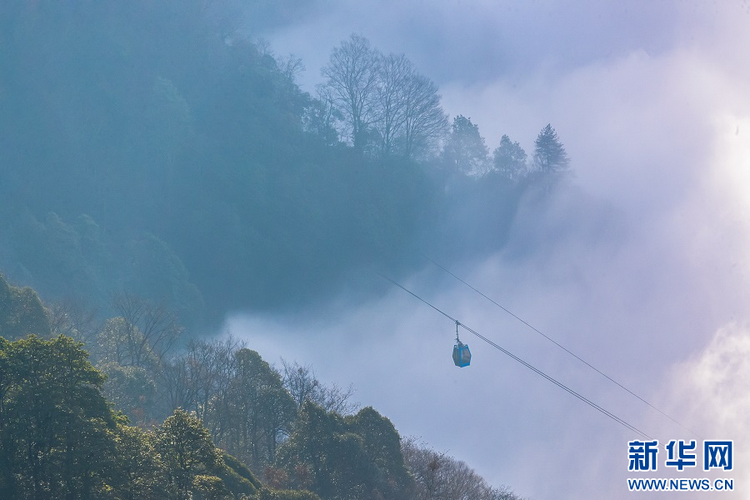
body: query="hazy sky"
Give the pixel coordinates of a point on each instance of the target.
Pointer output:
(641, 267)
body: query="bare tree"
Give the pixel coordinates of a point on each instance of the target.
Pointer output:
(321, 117)
(112, 342)
(352, 78)
(151, 329)
(193, 380)
(290, 66)
(303, 385)
(212, 366)
(175, 386)
(395, 72)
(425, 122)
(73, 318)
(384, 96)
(441, 477)
(300, 381)
(338, 399)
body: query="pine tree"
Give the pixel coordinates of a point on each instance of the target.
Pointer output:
(465, 149)
(549, 153)
(509, 159)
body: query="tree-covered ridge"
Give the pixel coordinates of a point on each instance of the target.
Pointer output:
(387, 107)
(150, 148)
(205, 423)
(61, 439)
(22, 311)
(160, 170)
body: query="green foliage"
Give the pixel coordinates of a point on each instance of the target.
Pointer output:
(210, 488)
(251, 415)
(205, 164)
(60, 255)
(55, 427)
(114, 340)
(382, 445)
(21, 312)
(337, 458)
(154, 272)
(131, 389)
(185, 446)
(308, 455)
(59, 438)
(238, 477)
(271, 494)
(139, 472)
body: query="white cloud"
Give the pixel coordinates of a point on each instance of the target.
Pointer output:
(634, 268)
(711, 389)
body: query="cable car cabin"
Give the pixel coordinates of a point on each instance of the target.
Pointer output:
(461, 354)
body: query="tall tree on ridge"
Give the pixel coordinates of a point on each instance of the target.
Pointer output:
(509, 159)
(425, 122)
(409, 118)
(395, 72)
(465, 149)
(549, 153)
(352, 74)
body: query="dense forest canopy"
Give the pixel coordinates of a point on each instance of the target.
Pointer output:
(167, 177)
(205, 423)
(153, 149)
(160, 170)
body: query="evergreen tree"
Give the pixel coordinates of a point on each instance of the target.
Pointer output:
(56, 437)
(21, 312)
(509, 159)
(465, 150)
(549, 153)
(341, 458)
(139, 471)
(187, 451)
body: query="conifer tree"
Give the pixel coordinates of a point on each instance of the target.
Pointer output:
(465, 149)
(549, 153)
(509, 159)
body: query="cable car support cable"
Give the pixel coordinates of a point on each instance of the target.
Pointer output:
(532, 327)
(531, 367)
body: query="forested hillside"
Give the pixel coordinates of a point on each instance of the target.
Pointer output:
(152, 149)
(213, 422)
(159, 170)
(240, 241)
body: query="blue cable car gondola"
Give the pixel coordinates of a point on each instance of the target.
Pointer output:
(461, 352)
